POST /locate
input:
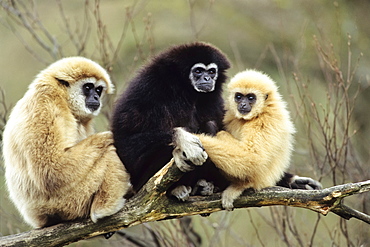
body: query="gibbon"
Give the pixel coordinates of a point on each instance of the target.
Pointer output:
(180, 87)
(255, 150)
(57, 169)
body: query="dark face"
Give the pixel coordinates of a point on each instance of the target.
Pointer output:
(245, 102)
(203, 77)
(92, 94)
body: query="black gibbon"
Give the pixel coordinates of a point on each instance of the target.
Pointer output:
(255, 150)
(178, 91)
(57, 169)
(180, 87)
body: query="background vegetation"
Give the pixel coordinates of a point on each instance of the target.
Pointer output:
(318, 52)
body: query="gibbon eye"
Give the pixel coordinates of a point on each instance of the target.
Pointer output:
(251, 97)
(99, 90)
(212, 71)
(198, 70)
(238, 96)
(87, 88)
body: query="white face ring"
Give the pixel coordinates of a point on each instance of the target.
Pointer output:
(201, 65)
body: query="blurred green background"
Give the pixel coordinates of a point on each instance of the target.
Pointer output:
(317, 51)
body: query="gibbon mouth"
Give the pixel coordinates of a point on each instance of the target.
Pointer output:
(206, 87)
(93, 107)
(244, 111)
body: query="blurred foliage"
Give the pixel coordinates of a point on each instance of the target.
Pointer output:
(303, 45)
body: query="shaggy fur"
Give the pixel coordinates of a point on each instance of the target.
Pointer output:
(159, 99)
(255, 149)
(56, 168)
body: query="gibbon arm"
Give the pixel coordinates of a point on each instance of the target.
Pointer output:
(232, 155)
(71, 165)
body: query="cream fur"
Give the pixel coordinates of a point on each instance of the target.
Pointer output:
(255, 149)
(57, 169)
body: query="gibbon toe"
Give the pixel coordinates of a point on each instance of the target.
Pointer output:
(181, 192)
(227, 203)
(206, 188)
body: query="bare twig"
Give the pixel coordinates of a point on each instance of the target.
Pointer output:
(32, 23)
(196, 25)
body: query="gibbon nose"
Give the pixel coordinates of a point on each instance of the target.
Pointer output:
(243, 105)
(244, 108)
(206, 78)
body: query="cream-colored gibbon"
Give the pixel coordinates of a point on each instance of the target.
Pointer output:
(255, 150)
(57, 169)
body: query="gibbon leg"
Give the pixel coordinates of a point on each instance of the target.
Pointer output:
(109, 198)
(37, 218)
(230, 194)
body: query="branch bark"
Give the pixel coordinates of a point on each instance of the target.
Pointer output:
(152, 204)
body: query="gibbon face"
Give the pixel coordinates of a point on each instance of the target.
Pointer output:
(86, 96)
(203, 77)
(196, 67)
(249, 93)
(245, 102)
(85, 83)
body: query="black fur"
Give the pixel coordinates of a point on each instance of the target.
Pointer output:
(161, 98)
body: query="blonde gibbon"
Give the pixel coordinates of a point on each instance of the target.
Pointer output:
(256, 147)
(57, 169)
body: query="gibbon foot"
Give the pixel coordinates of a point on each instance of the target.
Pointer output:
(100, 211)
(205, 188)
(229, 195)
(188, 149)
(227, 202)
(181, 192)
(304, 183)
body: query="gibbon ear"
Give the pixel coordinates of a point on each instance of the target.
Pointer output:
(63, 82)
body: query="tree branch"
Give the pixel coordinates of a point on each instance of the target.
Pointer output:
(151, 204)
